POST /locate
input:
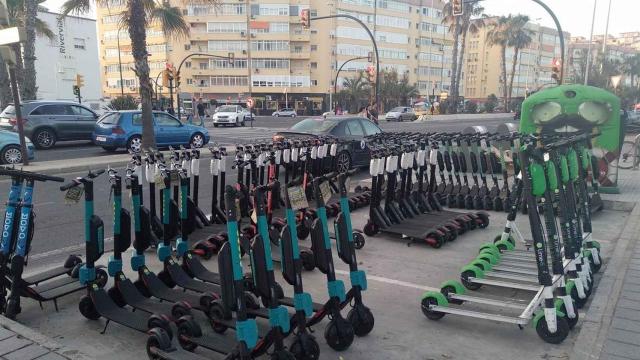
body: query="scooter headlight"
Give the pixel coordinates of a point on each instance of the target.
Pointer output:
(595, 112)
(545, 112)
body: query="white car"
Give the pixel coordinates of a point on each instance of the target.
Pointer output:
(231, 115)
(284, 112)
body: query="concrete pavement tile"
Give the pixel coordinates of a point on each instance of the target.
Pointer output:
(625, 324)
(12, 344)
(624, 336)
(632, 288)
(27, 353)
(606, 356)
(633, 274)
(5, 333)
(634, 267)
(629, 304)
(622, 349)
(632, 280)
(627, 314)
(52, 356)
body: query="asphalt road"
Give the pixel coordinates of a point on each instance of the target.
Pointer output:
(263, 128)
(59, 227)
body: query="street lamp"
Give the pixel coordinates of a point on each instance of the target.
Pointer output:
(335, 83)
(230, 58)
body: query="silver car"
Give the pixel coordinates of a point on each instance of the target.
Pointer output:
(47, 122)
(401, 113)
(286, 112)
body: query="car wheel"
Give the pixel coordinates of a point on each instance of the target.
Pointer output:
(110, 148)
(276, 115)
(11, 154)
(44, 138)
(343, 161)
(242, 123)
(293, 115)
(237, 123)
(215, 125)
(135, 143)
(197, 140)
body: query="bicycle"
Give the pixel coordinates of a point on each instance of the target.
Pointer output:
(630, 154)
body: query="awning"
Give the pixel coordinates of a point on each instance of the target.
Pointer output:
(259, 25)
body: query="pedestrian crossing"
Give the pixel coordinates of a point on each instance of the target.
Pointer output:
(240, 135)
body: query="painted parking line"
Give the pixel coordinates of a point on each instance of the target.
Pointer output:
(392, 281)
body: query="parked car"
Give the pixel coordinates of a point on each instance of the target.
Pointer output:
(401, 113)
(10, 148)
(123, 129)
(47, 122)
(350, 131)
(288, 112)
(231, 115)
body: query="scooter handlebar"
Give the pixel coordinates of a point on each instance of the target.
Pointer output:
(28, 175)
(78, 181)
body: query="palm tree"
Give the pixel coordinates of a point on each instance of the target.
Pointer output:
(136, 18)
(631, 67)
(472, 26)
(17, 16)
(356, 89)
(29, 48)
(454, 26)
(498, 35)
(519, 37)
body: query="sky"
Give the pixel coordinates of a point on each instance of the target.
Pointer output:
(574, 15)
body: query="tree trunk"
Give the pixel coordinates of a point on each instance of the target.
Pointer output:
(29, 84)
(503, 54)
(5, 91)
(454, 64)
(137, 33)
(461, 62)
(17, 51)
(513, 73)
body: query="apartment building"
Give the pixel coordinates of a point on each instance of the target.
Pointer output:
(533, 69)
(579, 48)
(276, 61)
(116, 62)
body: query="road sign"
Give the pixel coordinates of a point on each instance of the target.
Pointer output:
(250, 103)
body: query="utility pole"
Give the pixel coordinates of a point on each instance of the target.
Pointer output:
(604, 41)
(588, 65)
(249, 81)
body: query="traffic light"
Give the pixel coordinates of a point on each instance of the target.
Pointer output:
(76, 90)
(370, 57)
(231, 58)
(556, 68)
(176, 77)
(371, 73)
(305, 19)
(79, 80)
(165, 78)
(458, 7)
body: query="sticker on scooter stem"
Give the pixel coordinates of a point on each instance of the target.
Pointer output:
(73, 195)
(363, 144)
(325, 190)
(297, 197)
(347, 183)
(159, 180)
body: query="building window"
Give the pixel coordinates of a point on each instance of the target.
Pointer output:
(314, 82)
(204, 65)
(314, 47)
(187, 47)
(79, 44)
(226, 27)
(314, 65)
(189, 81)
(187, 64)
(270, 45)
(225, 80)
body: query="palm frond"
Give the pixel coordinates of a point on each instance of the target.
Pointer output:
(42, 29)
(171, 20)
(75, 7)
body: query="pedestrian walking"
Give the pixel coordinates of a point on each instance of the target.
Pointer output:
(373, 113)
(200, 111)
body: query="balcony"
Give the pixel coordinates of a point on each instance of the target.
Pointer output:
(300, 36)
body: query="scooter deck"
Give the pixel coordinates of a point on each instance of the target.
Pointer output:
(53, 283)
(182, 279)
(199, 271)
(48, 274)
(287, 301)
(36, 293)
(416, 231)
(109, 310)
(133, 298)
(175, 354)
(161, 291)
(220, 344)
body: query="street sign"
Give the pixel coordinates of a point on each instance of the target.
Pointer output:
(250, 103)
(12, 35)
(615, 80)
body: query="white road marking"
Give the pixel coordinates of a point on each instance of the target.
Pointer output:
(64, 250)
(393, 281)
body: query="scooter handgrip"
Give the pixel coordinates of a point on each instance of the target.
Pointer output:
(69, 185)
(95, 174)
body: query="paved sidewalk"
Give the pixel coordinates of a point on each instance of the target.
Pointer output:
(18, 342)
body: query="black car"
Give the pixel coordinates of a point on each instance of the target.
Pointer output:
(350, 131)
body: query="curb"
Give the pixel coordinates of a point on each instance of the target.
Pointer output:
(42, 340)
(594, 328)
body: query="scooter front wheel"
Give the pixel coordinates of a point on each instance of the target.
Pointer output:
(361, 319)
(339, 334)
(358, 240)
(305, 347)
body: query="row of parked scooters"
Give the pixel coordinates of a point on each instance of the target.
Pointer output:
(555, 268)
(402, 169)
(170, 305)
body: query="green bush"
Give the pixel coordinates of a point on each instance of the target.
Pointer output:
(470, 107)
(126, 102)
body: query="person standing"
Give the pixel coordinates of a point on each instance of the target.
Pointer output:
(200, 111)
(373, 113)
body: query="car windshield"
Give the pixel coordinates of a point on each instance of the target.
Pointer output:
(109, 118)
(398, 109)
(9, 111)
(227, 109)
(310, 125)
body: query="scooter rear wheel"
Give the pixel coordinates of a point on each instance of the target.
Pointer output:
(158, 339)
(426, 303)
(370, 229)
(557, 337)
(358, 240)
(87, 309)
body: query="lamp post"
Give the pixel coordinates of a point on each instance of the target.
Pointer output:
(335, 83)
(229, 58)
(588, 65)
